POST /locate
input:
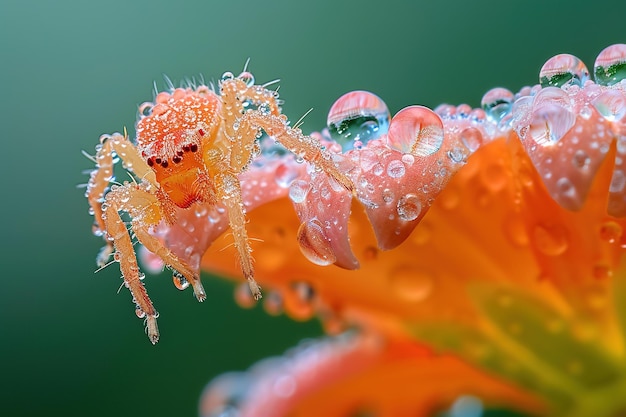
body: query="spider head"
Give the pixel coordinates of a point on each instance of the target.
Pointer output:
(172, 138)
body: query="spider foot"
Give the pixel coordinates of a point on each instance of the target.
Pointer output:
(152, 329)
(255, 289)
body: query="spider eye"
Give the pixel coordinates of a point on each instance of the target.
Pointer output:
(201, 132)
(164, 164)
(176, 159)
(150, 162)
(193, 147)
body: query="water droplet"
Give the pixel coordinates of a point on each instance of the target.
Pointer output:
(180, 281)
(247, 78)
(610, 231)
(563, 69)
(314, 243)
(497, 103)
(467, 406)
(581, 160)
(611, 105)
(456, 155)
(139, 312)
(471, 138)
(550, 123)
(550, 240)
(388, 196)
(395, 169)
(411, 284)
(298, 191)
(416, 130)
(409, 207)
(117, 256)
(357, 116)
(227, 76)
(243, 296)
(408, 159)
(610, 66)
(273, 303)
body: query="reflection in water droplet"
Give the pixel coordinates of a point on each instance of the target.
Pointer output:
(610, 66)
(357, 116)
(298, 191)
(497, 103)
(611, 105)
(139, 312)
(416, 130)
(314, 244)
(563, 69)
(618, 182)
(550, 123)
(411, 284)
(409, 207)
(550, 240)
(515, 230)
(395, 169)
(180, 281)
(610, 231)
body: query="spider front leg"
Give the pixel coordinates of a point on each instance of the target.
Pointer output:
(100, 178)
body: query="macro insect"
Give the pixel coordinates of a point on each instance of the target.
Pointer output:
(191, 144)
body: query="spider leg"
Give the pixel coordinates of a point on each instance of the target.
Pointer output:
(229, 191)
(101, 177)
(305, 147)
(155, 246)
(131, 199)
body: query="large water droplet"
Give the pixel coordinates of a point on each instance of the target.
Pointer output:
(563, 69)
(497, 103)
(550, 123)
(611, 105)
(396, 169)
(610, 66)
(550, 240)
(471, 138)
(314, 243)
(180, 281)
(409, 207)
(411, 284)
(416, 130)
(357, 116)
(299, 190)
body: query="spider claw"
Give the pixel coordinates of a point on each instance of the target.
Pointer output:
(199, 291)
(255, 289)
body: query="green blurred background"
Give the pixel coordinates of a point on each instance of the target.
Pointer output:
(72, 70)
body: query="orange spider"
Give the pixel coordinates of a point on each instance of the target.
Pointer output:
(191, 145)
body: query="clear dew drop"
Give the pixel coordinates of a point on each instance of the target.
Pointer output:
(610, 65)
(497, 103)
(358, 116)
(471, 138)
(549, 123)
(180, 281)
(298, 191)
(139, 312)
(416, 130)
(581, 160)
(409, 207)
(227, 76)
(314, 244)
(563, 69)
(611, 105)
(610, 231)
(395, 169)
(618, 182)
(411, 284)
